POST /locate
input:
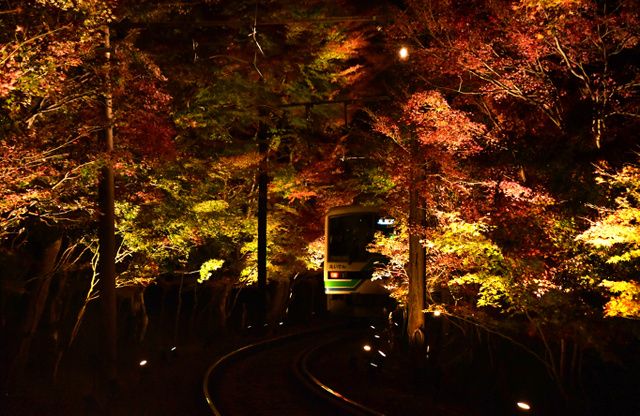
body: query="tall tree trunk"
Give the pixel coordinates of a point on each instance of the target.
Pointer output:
(57, 308)
(176, 325)
(263, 180)
(417, 262)
(263, 183)
(106, 230)
(43, 274)
(222, 305)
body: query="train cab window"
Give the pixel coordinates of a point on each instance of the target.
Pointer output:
(349, 236)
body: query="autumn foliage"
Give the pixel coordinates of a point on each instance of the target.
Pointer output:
(516, 121)
(506, 107)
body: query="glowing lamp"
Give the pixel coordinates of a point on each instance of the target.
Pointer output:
(523, 405)
(403, 53)
(366, 347)
(437, 313)
(143, 363)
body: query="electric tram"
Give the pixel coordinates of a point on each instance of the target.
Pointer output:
(349, 266)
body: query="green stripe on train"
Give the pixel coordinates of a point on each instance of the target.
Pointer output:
(341, 284)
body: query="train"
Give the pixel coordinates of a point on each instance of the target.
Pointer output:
(349, 266)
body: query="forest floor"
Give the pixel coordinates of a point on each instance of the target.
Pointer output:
(170, 383)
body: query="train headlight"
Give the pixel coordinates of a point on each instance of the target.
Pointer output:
(336, 275)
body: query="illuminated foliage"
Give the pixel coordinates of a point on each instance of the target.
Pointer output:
(496, 116)
(315, 254)
(228, 84)
(208, 267)
(470, 258)
(394, 249)
(504, 107)
(48, 86)
(556, 57)
(625, 301)
(615, 237)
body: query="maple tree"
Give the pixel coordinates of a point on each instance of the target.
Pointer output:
(52, 105)
(568, 61)
(238, 83)
(47, 80)
(504, 98)
(433, 137)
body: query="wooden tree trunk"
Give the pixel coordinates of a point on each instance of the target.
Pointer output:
(417, 263)
(222, 304)
(39, 293)
(263, 180)
(57, 307)
(106, 230)
(176, 324)
(135, 326)
(279, 295)
(263, 183)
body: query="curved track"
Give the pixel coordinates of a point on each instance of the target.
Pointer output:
(272, 378)
(323, 390)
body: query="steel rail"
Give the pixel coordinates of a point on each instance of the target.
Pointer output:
(324, 391)
(250, 348)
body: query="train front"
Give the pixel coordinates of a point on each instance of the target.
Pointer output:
(349, 266)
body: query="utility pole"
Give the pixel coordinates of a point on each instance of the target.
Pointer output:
(262, 180)
(106, 227)
(263, 183)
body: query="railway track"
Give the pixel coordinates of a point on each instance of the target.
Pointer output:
(273, 378)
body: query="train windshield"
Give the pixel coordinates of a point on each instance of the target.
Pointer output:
(349, 236)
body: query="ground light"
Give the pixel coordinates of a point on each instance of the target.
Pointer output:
(403, 53)
(366, 347)
(143, 363)
(523, 406)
